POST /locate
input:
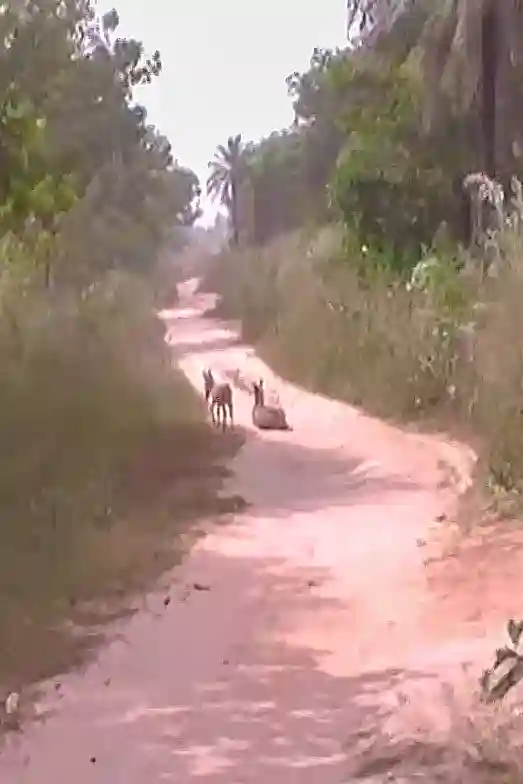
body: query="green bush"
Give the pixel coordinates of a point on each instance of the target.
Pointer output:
(444, 347)
(105, 455)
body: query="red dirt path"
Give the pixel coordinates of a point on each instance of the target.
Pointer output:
(323, 637)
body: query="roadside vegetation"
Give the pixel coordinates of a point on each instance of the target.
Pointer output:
(376, 246)
(376, 252)
(105, 453)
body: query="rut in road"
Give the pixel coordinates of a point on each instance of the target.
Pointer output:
(319, 636)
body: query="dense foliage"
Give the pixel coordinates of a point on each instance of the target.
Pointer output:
(409, 143)
(90, 198)
(386, 130)
(76, 151)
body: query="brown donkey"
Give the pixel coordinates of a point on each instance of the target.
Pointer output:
(266, 417)
(219, 398)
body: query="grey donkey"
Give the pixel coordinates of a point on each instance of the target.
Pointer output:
(219, 399)
(267, 417)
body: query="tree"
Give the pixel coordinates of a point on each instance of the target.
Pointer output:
(227, 172)
(474, 48)
(271, 194)
(78, 160)
(393, 184)
(284, 177)
(357, 139)
(470, 52)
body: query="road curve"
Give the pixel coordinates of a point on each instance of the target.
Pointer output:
(294, 665)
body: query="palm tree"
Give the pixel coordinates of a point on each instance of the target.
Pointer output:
(227, 173)
(470, 50)
(366, 16)
(461, 52)
(475, 47)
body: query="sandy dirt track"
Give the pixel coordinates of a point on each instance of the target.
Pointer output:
(318, 626)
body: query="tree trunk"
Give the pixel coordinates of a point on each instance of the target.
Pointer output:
(508, 87)
(246, 212)
(234, 214)
(489, 78)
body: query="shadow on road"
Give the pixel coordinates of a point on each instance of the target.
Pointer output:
(272, 712)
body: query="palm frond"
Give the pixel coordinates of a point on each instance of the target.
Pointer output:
(227, 169)
(234, 144)
(218, 169)
(222, 154)
(215, 184)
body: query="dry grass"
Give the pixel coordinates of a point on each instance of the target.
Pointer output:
(106, 462)
(400, 353)
(496, 744)
(321, 327)
(396, 352)
(457, 738)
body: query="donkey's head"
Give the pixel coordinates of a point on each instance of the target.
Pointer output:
(208, 381)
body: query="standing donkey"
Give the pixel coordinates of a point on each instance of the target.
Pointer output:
(218, 396)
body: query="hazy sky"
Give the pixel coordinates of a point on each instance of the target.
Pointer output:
(225, 63)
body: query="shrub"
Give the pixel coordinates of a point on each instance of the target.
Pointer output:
(446, 346)
(105, 454)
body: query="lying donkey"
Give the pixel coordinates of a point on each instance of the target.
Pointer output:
(266, 417)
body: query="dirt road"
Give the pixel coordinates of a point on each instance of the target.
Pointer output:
(318, 637)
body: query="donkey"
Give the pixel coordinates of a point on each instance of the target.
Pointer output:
(266, 417)
(218, 396)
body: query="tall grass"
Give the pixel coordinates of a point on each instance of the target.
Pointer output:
(105, 456)
(449, 351)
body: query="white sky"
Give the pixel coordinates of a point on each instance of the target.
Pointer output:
(224, 65)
